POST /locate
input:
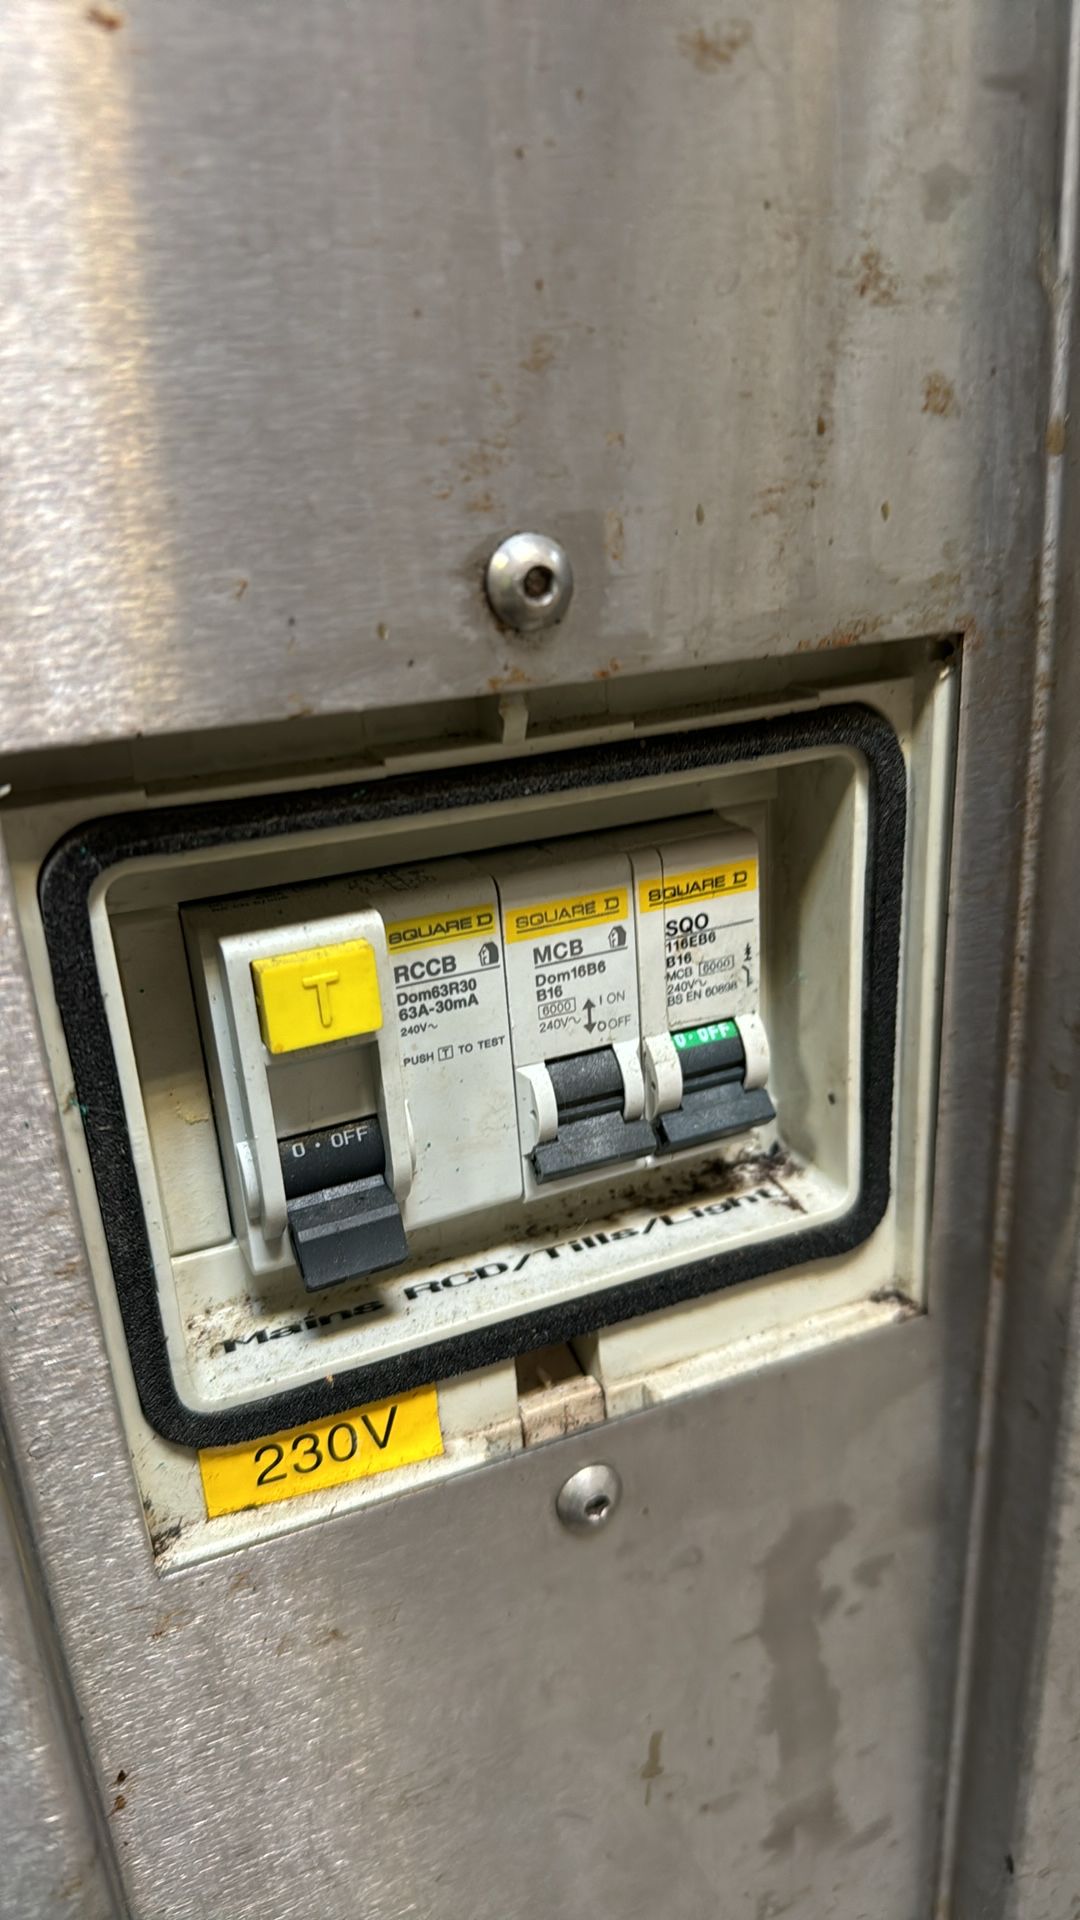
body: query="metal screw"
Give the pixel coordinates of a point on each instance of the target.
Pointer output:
(589, 1498)
(529, 582)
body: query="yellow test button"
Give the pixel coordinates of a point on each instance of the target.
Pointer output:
(324, 993)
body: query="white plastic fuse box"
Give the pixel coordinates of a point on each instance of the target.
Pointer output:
(392, 1084)
(397, 1051)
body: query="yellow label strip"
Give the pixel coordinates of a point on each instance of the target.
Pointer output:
(555, 916)
(324, 1453)
(433, 929)
(704, 884)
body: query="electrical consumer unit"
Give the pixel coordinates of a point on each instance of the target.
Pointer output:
(377, 1090)
(540, 1000)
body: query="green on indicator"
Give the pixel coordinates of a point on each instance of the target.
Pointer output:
(701, 1036)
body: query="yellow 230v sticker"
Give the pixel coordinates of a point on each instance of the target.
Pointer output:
(324, 1453)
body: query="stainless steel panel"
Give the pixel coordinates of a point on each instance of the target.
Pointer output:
(272, 351)
(451, 1705)
(1017, 1843)
(416, 1706)
(54, 1861)
(303, 308)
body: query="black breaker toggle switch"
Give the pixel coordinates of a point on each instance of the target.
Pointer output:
(715, 1102)
(344, 1220)
(592, 1131)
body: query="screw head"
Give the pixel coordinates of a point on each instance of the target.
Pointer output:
(589, 1498)
(529, 582)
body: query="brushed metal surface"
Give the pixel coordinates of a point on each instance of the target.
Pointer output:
(54, 1858)
(429, 1704)
(302, 308)
(1018, 1842)
(454, 1706)
(275, 372)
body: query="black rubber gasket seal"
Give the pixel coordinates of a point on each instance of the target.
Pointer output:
(81, 857)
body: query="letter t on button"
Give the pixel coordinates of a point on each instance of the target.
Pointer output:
(320, 984)
(321, 994)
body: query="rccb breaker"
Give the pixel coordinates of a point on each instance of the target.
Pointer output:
(386, 1088)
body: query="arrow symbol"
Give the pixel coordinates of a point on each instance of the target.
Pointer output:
(590, 1022)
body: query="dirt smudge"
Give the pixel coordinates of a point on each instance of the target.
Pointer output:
(939, 396)
(540, 355)
(802, 1705)
(654, 1766)
(711, 52)
(874, 280)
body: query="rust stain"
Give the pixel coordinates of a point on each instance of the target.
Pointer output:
(482, 503)
(119, 1803)
(516, 677)
(822, 423)
(614, 537)
(540, 354)
(771, 498)
(240, 589)
(1055, 435)
(843, 636)
(106, 17)
(539, 285)
(605, 673)
(874, 281)
(939, 397)
(615, 439)
(486, 457)
(242, 1582)
(170, 1623)
(710, 52)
